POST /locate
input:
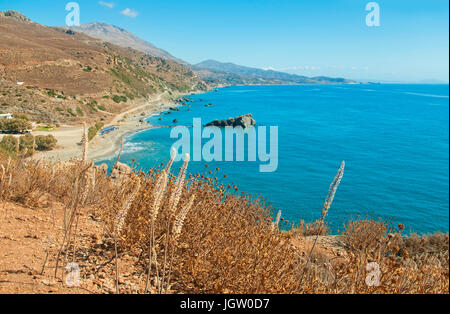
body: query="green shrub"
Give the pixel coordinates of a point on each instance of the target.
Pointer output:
(51, 93)
(69, 111)
(116, 99)
(92, 107)
(26, 142)
(45, 143)
(15, 125)
(99, 125)
(9, 143)
(92, 132)
(21, 116)
(80, 112)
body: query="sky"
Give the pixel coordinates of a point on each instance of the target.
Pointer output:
(306, 37)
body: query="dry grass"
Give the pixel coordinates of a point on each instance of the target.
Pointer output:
(204, 238)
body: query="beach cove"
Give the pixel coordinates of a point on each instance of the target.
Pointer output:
(129, 122)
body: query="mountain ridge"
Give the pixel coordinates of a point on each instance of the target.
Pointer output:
(210, 70)
(123, 38)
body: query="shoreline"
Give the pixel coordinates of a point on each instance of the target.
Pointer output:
(101, 147)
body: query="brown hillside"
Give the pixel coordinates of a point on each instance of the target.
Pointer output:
(77, 71)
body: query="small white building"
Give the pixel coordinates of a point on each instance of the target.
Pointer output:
(6, 116)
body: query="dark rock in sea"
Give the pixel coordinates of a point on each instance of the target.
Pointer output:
(174, 109)
(244, 121)
(175, 121)
(209, 105)
(160, 119)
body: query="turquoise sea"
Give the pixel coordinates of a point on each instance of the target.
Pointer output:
(394, 139)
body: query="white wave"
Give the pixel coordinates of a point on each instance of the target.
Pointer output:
(426, 95)
(134, 147)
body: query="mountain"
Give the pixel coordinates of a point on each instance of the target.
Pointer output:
(123, 38)
(58, 75)
(230, 73)
(212, 72)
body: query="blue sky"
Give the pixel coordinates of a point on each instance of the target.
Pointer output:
(309, 37)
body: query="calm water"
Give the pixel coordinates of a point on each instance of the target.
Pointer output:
(394, 139)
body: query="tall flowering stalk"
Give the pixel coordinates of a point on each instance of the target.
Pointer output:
(326, 207)
(173, 203)
(85, 142)
(332, 191)
(123, 212)
(120, 222)
(277, 221)
(181, 217)
(158, 194)
(177, 228)
(179, 184)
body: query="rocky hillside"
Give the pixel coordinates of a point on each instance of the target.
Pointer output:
(123, 38)
(57, 75)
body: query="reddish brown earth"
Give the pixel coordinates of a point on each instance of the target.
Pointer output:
(28, 234)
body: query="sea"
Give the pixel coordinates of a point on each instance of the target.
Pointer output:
(394, 140)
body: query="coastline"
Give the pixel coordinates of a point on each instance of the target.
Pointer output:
(102, 147)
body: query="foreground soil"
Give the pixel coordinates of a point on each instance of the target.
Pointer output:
(28, 235)
(30, 239)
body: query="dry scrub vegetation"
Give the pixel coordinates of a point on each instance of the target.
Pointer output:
(191, 234)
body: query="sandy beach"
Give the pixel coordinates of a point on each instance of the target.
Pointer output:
(130, 121)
